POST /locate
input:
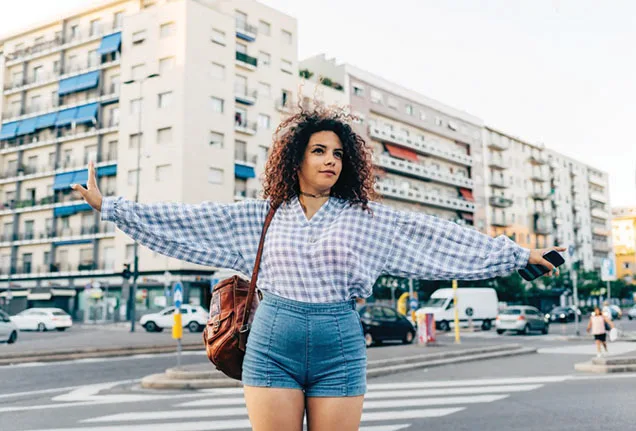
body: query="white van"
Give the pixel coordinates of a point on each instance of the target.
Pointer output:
(478, 304)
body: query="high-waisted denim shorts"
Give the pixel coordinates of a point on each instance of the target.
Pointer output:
(317, 348)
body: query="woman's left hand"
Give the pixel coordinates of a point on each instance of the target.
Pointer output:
(536, 257)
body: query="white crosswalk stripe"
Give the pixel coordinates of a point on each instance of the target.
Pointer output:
(387, 406)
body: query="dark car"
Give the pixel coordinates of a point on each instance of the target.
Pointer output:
(383, 324)
(562, 314)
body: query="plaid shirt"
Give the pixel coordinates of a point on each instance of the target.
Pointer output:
(336, 255)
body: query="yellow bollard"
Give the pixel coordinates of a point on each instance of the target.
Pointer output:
(457, 339)
(177, 328)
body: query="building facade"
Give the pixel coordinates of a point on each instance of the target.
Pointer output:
(624, 239)
(182, 95)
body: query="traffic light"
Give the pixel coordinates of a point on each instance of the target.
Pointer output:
(126, 272)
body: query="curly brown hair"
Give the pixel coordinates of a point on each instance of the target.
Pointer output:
(356, 180)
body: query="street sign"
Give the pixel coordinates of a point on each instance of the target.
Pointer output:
(608, 270)
(571, 250)
(413, 303)
(177, 291)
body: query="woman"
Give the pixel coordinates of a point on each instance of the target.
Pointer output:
(597, 325)
(325, 247)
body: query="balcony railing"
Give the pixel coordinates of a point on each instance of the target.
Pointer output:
(499, 182)
(246, 59)
(599, 213)
(245, 95)
(598, 197)
(540, 175)
(540, 193)
(246, 31)
(498, 162)
(538, 157)
(501, 221)
(498, 143)
(500, 201)
(243, 157)
(244, 194)
(593, 179)
(415, 194)
(417, 170)
(543, 226)
(244, 126)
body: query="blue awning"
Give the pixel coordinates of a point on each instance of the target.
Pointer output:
(73, 241)
(87, 81)
(67, 86)
(70, 210)
(46, 120)
(65, 117)
(107, 171)
(86, 113)
(26, 126)
(110, 43)
(242, 171)
(83, 207)
(80, 177)
(8, 130)
(63, 181)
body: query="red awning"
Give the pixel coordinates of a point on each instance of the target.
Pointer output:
(467, 194)
(401, 153)
(467, 216)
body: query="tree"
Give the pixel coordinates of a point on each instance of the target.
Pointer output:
(305, 73)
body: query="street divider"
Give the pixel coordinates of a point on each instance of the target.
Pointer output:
(206, 377)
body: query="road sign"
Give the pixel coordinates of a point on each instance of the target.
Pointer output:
(177, 291)
(571, 250)
(413, 303)
(608, 270)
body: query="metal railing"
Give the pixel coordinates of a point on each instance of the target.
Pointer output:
(246, 125)
(245, 58)
(244, 27)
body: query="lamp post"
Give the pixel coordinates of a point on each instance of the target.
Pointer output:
(133, 290)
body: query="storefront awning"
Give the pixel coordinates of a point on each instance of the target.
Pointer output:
(467, 194)
(110, 44)
(401, 153)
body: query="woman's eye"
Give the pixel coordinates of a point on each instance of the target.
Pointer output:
(338, 155)
(318, 150)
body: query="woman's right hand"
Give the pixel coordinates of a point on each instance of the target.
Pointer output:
(91, 193)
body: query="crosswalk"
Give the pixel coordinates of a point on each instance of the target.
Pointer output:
(387, 406)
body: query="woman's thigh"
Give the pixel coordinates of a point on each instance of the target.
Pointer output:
(275, 409)
(334, 413)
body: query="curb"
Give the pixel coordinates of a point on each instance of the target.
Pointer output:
(180, 379)
(608, 365)
(63, 355)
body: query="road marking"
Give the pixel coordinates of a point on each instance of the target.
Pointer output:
(102, 359)
(616, 348)
(450, 391)
(472, 382)
(41, 391)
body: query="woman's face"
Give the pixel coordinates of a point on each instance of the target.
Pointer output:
(322, 163)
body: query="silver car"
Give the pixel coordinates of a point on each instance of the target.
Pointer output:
(522, 319)
(8, 329)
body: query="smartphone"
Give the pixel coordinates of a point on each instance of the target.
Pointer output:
(532, 271)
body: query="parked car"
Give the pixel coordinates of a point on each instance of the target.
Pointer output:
(8, 329)
(478, 304)
(42, 319)
(383, 323)
(193, 317)
(614, 312)
(631, 314)
(523, 319)
(562, 314)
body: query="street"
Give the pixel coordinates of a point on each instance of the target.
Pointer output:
(526, 392)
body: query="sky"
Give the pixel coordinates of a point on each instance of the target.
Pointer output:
(558, 72)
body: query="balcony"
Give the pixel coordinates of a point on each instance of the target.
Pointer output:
(240, 195)
(246, 31)
(423, 196)
(600, 246)
(497, 162)
(244, 95)
(59, 42)
(423, 147)
(596, 180)
(601, 230)
(79, 132)
(542, 226)
(539, 175)
(500, 221)
(246, 127)
(500, 201)
(599, 213)
(284, 105)
(598, 197)
(244, 158)
(420, 171)
(538, 157)
(246, 61)
(540, 193)
(498, 143)
(499, 182)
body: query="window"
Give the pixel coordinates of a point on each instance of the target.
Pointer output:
(138, 37)
(241, 47)
(409, 109)
(358, 90)
(74, 32)
(392, 103)
(166, 30)
(130, 251)
(114, 84)
(216, 104)
(217, 71)
(216, 139)
(135, 106)
(114, 117)
(35, 103)
(376, 96)
(286, 66)
(264, 89)
(287, 37)
(95, 27)
(90, 154)
(166, 64)
(164, 100)
(163, 173)
(37, 73)
(438, 121)
(164, 136)
(109, 258)
(264, 28)
(264, 58)
(17, 78)
(215, 176)
(93, 58)
(132, 177)
(137, 71)
(264, 121)
(218, 37)
(134, 141)
(118, 19)
(240, 150)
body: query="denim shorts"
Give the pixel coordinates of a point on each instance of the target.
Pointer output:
(317, 348)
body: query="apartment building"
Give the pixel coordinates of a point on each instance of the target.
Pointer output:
(182, 95)
(624, 240)
(424, 151)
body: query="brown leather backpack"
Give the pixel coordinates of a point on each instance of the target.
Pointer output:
(231, 313)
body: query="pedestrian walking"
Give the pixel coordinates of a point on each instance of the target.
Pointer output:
(327, 244)
(599, 325)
